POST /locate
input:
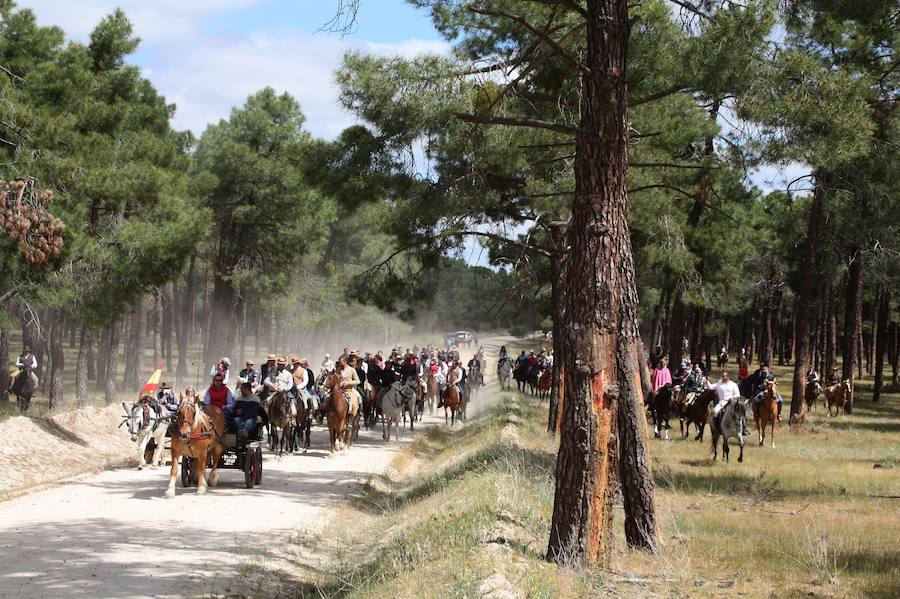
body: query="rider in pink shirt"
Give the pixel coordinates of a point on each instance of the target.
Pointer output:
(661, 376)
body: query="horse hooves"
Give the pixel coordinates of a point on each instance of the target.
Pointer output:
(169, 494)
(740, 459)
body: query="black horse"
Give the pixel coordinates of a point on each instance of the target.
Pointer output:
(24, 385)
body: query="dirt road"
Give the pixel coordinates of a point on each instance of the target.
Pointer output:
(114, 535)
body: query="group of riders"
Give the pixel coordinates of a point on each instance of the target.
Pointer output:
(526, 367)
(360, 374)
(688, 381)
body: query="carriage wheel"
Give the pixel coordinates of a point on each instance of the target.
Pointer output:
(250, 468)
(186, 471)
(259, 466)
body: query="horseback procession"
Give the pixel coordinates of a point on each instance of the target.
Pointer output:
(726, 405)
(278, 405)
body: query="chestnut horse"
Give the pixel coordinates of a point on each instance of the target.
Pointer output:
(839, 396)
(451, 397)
(766, 412)
(544, 383)
(197, 435)
(337, 411)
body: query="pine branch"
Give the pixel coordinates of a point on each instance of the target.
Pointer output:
(579, 66)
(570, 4)
(515, 122)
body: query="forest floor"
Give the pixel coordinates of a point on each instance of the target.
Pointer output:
(466, 513)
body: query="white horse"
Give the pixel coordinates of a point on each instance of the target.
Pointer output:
(392, 405)
(147, 420)
(732, 418)
(504, 373)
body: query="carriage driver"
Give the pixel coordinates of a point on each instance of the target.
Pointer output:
(219, 395)
(246, 409)
(727, 390)
(167, 398)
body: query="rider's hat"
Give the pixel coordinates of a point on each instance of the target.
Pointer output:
(226, 361)
(165, 386)
(295, 359)
(281, 361)
(270, 357)
(250, 362)
(327, 356)
(304, 361)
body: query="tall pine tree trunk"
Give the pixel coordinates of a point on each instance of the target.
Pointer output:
(807, 291)
(4, 363)
(111, 362)
(57, 363)
(602, 382)
(81, 370)
(157, 328)
(852, 317)
(559, 240)
(168, 306)
(881, 339)
(182, 332)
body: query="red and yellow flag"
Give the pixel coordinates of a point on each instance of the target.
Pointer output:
(152, 383)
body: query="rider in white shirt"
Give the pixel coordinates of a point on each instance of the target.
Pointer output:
(727, 390)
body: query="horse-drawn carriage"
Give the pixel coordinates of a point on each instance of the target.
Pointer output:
(240, 453)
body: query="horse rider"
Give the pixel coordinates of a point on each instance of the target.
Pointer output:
(521, 360)
(832, 378)
(219, 395)
(26, 358)
(248, 374)
(357, 363)
(743, 365)
(410, 367)
(660, 377)
(349, 382)
(694, 384)
(280, 380)
(474, 366)
(327, 366)
(247, 409)
(454, 377)
(758, 398)
(727, 391)
(301, 381)
(221, 367)
(812, 379)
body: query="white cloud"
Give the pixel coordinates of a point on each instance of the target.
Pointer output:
(409, 48)
(208, 74)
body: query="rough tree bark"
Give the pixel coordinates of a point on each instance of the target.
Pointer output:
(4, 363)
(111, 362)
(559, 240)
(807, 290)
(157, 327)
(57, 363)
(852, 314)
(134, 345)
(884, 309)
(602, 382)
(81, 370)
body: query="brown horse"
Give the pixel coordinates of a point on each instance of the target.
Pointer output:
(696, 413)
(839, 396)
(811, 394)
(281, 416)
(432, 392)
(197, 435)
(451, 397)
(766, 412)
(544, 383)
(337, 411)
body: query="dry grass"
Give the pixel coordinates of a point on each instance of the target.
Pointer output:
(467, 514)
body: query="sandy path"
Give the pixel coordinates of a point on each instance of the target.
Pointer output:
(113, 535)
